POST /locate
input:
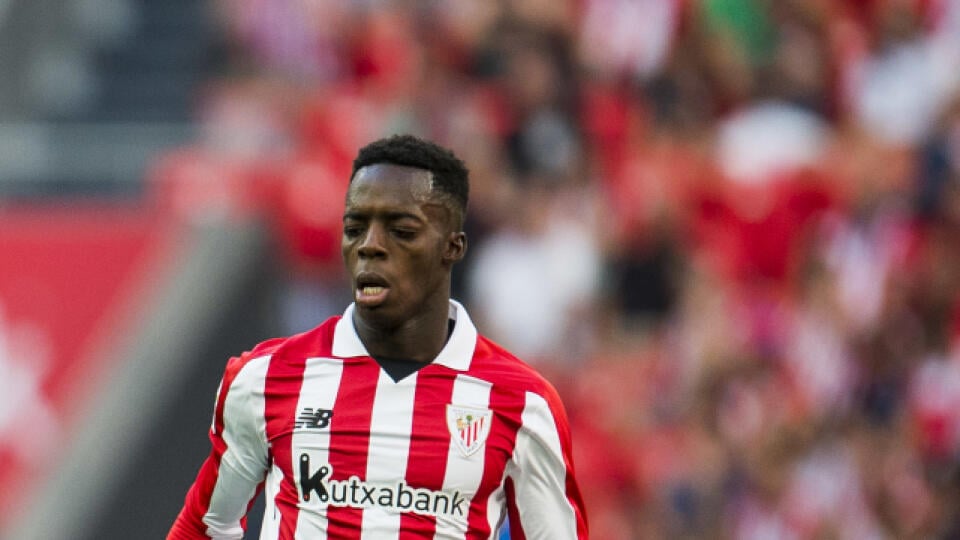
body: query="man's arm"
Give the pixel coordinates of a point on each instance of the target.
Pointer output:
(217, 503)
(544, 501)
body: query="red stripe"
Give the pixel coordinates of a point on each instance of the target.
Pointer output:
(563, 430)
(282, 392)
(495, 361)
(230, 374)
(516, 526)
(350, 438)
(508, 405)
(429, 445)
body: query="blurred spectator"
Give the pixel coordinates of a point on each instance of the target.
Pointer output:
(29, 427)
(534, 279)
(901, 83)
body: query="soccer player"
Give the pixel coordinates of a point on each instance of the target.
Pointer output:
(396, 419)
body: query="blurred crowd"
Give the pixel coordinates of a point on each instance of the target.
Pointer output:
(728, 230)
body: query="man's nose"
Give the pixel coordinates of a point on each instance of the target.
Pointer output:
(372, 244)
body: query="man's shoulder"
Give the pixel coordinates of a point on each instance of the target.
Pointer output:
(314, 342)
(496, 364)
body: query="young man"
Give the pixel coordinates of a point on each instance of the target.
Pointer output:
(396, 420)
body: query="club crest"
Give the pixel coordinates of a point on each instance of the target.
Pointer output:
(469, 427)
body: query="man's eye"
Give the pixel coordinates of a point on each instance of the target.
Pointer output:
(351, 232)
(404, 234)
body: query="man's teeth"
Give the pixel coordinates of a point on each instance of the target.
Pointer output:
(371, 290)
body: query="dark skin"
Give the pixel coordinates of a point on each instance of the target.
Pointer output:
(400, 242)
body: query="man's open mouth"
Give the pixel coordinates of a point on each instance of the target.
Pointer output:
(371, 290)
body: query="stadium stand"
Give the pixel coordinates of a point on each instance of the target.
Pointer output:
(737, 222)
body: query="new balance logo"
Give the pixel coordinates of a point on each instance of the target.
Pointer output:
(310, 418)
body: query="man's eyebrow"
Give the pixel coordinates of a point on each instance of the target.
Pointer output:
(390, 216)
(394, 216)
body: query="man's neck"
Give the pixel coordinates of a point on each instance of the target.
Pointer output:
(420, 338)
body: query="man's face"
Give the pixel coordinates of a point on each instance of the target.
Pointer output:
(398, 244)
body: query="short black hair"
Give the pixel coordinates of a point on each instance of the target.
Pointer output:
(450, 175)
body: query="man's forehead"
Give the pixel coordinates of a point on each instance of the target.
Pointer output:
(393, 178)
(382, 187)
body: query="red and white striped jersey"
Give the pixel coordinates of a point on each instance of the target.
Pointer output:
(344, 451)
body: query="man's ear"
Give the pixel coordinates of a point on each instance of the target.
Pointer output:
(456, 247)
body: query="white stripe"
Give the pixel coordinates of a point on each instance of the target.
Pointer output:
(390, 428)
(270, 527)
(496, 510)
(243, 463)
(541, 480)
(321, 383)
(463, 473)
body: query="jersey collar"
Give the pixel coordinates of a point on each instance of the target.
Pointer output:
(456, 354)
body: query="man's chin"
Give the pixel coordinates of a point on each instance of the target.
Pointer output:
(377, 316)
